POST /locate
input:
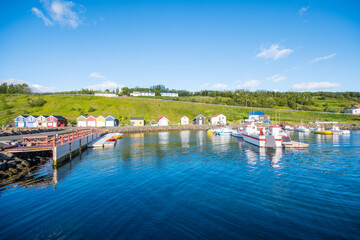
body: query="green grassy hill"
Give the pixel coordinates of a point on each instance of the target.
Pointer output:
(71, 107)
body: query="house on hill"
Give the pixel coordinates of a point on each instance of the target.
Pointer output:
(31, 121)
(354, 110)
(81, 121)
(258, 117)
(184, 120)
(169, 94)
(219, 119)
(42, 120)
(111, 121)
(56, 121)
(199, 120)
(91, 121)
(20, 121)
(163, 121)
(100, 121)
(137, 121)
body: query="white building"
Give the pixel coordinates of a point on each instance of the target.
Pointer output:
(163, 121)
(219, 119)
(355, 110)
(138, 93)
(105, 94)
(184, 120)
(169, 94)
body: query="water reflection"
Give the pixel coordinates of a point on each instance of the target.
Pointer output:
(200, 137)
(185, 138)
(256, 154)
(220, 143)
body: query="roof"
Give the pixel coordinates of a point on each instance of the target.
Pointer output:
(162, 118)
(200, 115)
(24, 116)
(256, 113)
(219, 115)
(357, 106)
(82, 116)
(35, 116)
(137, 118)
(110, 117)
(184, 117)
(92, 117)
(58, 117)
(169, 92)
(44, 116)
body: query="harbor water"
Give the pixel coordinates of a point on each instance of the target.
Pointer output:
(189, 185)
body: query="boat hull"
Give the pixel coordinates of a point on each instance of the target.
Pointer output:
(255, 139)
(323, 132)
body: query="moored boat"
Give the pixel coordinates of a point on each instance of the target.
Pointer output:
(288, 128)
(302, 128)
(321, 130)
(117, 135)
(259, 137)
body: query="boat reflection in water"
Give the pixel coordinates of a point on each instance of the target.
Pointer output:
(257, 154)
(185, 138)
(220, 143)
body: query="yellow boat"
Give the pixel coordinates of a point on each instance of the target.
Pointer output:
(211, 131)
(321, 130)
(117, 136)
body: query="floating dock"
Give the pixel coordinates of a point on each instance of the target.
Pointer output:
(102, 141)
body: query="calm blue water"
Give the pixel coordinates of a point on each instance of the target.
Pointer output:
(188, 185)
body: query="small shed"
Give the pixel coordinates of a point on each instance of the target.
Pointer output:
(100, 121)
(56, 121)
(91, 121)
(219, 119)
(20, 121)
(137, 121)
(199, 120)
(42, 120)
(31, 121)
(184, 120)
(111, 121)
(163, 121)
(81, 121)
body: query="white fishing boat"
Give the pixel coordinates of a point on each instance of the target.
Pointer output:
(337, 131)
(237, 133)
(259, 137)
(223, 130)
(288, 128)
(302, 128)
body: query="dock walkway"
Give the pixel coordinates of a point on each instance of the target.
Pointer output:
(99, 143)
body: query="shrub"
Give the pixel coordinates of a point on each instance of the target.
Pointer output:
(91, 109)
(36, 102)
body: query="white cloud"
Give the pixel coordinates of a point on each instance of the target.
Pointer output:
(60, 12)
(303, 10)
(40, 14)
(105, 85)
(97, 75)
(323, 58)
(34, 87)
(219, 86)
(251, 84)
(276, 78)
(275, 52)
(314, 86)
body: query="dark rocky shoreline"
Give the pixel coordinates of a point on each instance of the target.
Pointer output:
(16, 165)
(10, 131)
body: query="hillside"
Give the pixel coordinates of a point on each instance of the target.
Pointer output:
(71, 107)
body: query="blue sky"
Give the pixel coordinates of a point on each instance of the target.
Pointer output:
(57, 45)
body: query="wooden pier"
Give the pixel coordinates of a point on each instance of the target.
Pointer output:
(64, 146)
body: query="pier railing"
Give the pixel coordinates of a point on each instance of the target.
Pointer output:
(58, 139)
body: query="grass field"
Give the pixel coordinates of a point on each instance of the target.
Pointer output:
(71, 107)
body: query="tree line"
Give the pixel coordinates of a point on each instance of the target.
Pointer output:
(14, 88)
